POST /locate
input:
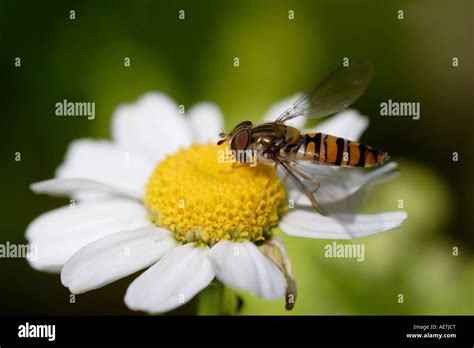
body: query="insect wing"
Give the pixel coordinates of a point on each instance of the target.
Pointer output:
(323, 185)
(334, 93)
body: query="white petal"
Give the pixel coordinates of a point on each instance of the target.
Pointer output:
(114, 257)
(206, 122)
(78, 188)
(309, 224)
(105, 162)
(152, 127)
(173, 281)
(279, 107)
(60, 233)
(243, 266)
(348, 124)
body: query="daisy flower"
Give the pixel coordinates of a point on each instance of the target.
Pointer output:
(156, 198)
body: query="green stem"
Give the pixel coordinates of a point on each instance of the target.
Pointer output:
(218, 299)
(210, 301)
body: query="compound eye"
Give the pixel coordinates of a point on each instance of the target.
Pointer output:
(240, 141)
(244, 124)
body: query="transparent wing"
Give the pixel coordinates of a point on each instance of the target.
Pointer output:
(334, 93)
(326, 190)
(323, 186)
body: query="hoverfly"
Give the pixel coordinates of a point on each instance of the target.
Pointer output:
(293, 151)
(309, 157)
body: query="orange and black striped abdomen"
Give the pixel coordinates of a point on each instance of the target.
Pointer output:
(329, 149)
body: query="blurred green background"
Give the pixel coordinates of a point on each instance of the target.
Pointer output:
(192, 60)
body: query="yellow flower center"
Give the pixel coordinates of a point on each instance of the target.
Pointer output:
(202, 200)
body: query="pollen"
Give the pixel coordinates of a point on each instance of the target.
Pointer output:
(200, 199)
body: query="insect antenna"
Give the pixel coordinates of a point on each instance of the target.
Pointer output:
(224, 137)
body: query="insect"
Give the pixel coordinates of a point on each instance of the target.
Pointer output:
(289, 148)
(308, 157)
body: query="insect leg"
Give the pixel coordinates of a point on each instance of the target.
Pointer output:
(307, 177)
(267, 186)
(285, 177)
(235, 165)
(307, 191)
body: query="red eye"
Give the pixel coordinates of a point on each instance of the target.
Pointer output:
(240, 140)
